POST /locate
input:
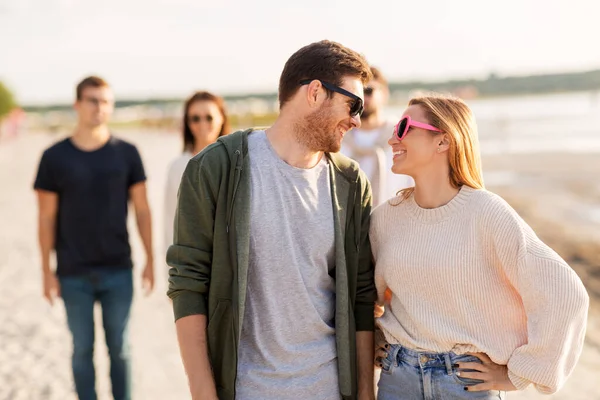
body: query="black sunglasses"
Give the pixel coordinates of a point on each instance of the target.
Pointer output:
(197, 118)
(357, 106)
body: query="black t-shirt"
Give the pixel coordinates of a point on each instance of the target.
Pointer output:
(93, 194)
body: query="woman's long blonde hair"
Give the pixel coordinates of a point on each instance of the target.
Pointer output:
(452, 115)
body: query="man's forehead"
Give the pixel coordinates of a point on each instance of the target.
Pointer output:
(374, 84)
(353, 85)
(98, 92)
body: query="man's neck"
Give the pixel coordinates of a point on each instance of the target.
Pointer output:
(90, 139)
(374, 121)
(285, 143)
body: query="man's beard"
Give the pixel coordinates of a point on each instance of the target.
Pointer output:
(318, 132)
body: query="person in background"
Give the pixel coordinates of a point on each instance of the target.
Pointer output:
(205, 119)
(368, 144)
(84, 184)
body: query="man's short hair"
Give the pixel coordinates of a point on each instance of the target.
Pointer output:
(325, 60)
(90, 81)
(378, 76)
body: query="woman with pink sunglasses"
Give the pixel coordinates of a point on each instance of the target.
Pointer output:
(475, 304)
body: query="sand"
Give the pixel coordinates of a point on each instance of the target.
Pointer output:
(555, 193)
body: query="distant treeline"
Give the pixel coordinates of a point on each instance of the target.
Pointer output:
(511, 85)
(489, 87)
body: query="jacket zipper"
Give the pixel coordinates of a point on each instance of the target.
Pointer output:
(233, 250)
(236, 181)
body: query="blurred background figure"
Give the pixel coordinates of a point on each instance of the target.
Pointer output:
(204, 121)
(368, 144)
(11, 124)
(84, 184)
(11, 115)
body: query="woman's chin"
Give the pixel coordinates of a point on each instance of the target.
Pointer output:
(399, 170)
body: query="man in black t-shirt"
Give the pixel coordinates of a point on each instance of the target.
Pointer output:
(84, 184)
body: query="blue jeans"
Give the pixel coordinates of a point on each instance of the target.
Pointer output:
(411, 375)
(114, 290)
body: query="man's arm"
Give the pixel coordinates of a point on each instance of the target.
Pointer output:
(366, 295)
(366, 371)
(47, 213)
(139, 198)
(191, 335)
(190, 259)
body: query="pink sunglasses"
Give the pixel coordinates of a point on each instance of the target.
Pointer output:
(401, 129)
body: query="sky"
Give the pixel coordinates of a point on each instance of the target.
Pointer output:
(158, 48)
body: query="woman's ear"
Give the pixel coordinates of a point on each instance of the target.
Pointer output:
(443, 143)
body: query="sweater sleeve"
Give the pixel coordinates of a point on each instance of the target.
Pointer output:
(555, 301)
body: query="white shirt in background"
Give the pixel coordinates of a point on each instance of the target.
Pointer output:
(370, 149)
(174, 174)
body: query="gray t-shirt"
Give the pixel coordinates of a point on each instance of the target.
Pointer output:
(287, 345)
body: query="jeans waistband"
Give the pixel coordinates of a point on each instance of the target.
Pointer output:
(423, 359)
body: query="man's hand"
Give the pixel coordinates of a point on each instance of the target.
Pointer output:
(148, 277)
(51, 287)
(494, 376)
(48, 211)
(191, 334)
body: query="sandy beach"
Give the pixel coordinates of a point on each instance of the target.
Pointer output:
(558, 194)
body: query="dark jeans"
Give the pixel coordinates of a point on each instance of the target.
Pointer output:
(114, 290)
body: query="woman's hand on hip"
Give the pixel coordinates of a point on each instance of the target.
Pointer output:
(381, 348)
(494, 376)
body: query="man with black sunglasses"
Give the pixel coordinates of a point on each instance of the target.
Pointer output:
(271, 270)
(368, 145)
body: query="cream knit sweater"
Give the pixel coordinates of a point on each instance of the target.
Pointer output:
(471, 276)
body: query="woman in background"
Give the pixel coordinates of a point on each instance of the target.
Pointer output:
(204, 121)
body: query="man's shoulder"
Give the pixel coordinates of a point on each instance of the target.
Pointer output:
(213, 162)
(213, 153)
(345, 165)
(58, 148)
(225, 148)
(351, 171)
(122, 144)
(237, 138)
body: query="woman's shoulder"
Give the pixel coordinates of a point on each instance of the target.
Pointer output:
(490, 202)
(495, 213)
(391, 207)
